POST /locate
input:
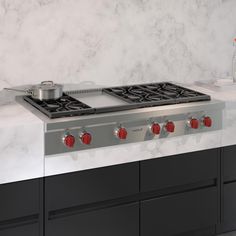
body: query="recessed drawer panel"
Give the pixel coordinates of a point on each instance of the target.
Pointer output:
(19, 199)
(25, 230)
(179, 170)
(179, 213)
(229, 163)
(229, 203)
(90, 186)
(115, 221)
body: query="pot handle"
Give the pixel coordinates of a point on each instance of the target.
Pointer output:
(27, 91)
(47, 82)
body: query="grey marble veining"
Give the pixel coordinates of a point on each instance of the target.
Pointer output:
(21, 144)
(115, 42)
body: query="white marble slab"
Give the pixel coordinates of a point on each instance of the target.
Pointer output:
(21, 144)
(115, 42)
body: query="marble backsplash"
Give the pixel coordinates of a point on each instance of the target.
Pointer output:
(115, 42)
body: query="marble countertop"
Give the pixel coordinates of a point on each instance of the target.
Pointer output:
(21, 135)
(21, 142)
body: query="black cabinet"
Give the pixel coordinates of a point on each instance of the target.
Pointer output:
(24, 230)
(116, 221)
(84, 203)
(229, 203)
(19, 199)
(229, 163)
(179, 170)
(228, 189)
(20, 208)
(179, 213)
(89, 186)
(175, 195)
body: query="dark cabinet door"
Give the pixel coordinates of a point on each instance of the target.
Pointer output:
(115, 221)
(228, 193)
(25, 230)
(229, 204)
(19, 199)
(179, 213)
(84, 187)
(229, 163)
(179, 170)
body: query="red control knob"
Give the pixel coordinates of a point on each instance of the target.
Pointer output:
(122, 133)
(156, 128)
(194, 123)
(86, 138)
(207, 121)
(170, 126)
(69, 141)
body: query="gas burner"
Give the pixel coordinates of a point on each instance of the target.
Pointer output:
(135, 96)
(75, 105)
(157, 94)
(62, 107)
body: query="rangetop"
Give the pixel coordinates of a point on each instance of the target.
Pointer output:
(85, 119)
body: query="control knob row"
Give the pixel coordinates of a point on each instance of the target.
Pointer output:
(195, 123)
(155, 128)
(69, 140)
(121, 132)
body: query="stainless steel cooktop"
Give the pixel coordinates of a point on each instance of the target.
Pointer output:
(94, 118)
(85, 102)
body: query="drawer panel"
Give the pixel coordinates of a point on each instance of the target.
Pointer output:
(229, 203)
(19, 199)
(26, 230)
(229, 163)
(115, 221)
(179, 170)
(179, 213)
(90, 186)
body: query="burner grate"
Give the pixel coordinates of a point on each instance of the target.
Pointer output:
(62, 107)
(156, 94)
(135, 96)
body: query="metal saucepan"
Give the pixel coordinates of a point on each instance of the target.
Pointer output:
(45, 91)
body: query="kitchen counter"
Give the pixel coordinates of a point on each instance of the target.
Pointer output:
(22, 143)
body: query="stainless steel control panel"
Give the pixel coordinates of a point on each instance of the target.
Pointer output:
(81, 133)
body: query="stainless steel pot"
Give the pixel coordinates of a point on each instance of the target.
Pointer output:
(45, 91)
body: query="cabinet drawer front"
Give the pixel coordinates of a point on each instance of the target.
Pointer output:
(90, 186)
(229, 203)
(179, 213)
(115, 221)
(229, 163)
(26, 230)
(179, 170)
(19, 199)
